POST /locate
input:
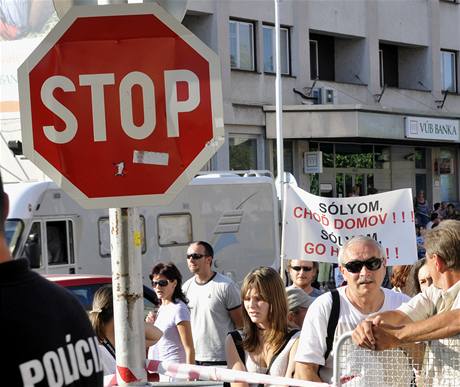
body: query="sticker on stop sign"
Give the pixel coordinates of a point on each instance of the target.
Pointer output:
(121, 105)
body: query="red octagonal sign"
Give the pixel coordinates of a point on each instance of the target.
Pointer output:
(121, 105)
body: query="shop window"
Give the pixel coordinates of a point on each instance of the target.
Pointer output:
(242, 51)
(270, 50)
(354, 156)
(448, 71)
(420, 158)
(288, 157)
(243, 152)
(389, 65)
(323, 59)
(328, 155)
(448, 176)
(354, 184)
(314, 183)
(382, 157)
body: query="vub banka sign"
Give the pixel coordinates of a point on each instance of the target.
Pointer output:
(432, 128)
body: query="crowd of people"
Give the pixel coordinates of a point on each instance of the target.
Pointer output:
(261, 327)
(268, 328)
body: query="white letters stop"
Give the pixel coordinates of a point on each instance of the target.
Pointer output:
(97, 82)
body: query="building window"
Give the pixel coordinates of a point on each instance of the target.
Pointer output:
(448, 71)
(270, 49)
(420, 158)
(314, 65)
(389, 65)
(322, 62)
(242, 45)
(243, 152)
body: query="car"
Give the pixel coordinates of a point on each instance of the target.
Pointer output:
(83, 286)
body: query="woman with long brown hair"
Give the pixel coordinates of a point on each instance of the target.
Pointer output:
(267, 345)
(101, 317)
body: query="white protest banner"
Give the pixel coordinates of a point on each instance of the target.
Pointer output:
(314, 227)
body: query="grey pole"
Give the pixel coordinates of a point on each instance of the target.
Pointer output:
(128, 305)
(279, 122)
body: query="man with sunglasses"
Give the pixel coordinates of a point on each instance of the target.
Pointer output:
(433, 315)
(303, 274)
(215, 305)
(362, 263)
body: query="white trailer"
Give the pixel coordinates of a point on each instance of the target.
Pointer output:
(238, 215)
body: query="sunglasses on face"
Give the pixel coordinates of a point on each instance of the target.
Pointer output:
(195, 256)
(161, 283)
(372, 264)
(304, 268)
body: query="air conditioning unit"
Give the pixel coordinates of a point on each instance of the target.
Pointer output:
(325, 96)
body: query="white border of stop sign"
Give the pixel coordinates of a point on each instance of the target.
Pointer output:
(96, 83)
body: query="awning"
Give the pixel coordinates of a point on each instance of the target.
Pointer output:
(349, 121)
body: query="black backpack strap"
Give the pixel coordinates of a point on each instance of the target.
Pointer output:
(280, 349)
(332, 324)
(237, 339)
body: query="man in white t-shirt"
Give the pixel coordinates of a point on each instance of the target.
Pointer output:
(432, 315)
(215, 305)
(362, 262)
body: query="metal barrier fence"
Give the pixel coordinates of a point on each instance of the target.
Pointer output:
(430, 364)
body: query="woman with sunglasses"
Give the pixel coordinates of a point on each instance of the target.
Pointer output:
(173, 316)
(266, 344)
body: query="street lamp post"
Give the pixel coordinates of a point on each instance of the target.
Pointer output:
(279, 120)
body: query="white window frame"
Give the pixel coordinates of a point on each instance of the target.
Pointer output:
(381, 72)
(238, 64)
(273, 44)
(453, 54)
(315, 42)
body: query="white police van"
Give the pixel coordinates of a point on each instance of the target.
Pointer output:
(237, 214)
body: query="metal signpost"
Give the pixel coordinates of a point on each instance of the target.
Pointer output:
(121, 105)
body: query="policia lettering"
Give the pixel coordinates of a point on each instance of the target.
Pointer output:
(64, 365)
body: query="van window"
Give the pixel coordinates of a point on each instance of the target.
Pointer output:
(59, 240)
(104, 236)
(175, 229)
(13, 233)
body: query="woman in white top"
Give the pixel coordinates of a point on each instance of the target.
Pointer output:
(173, 317)
(101, 317)
(269, 347)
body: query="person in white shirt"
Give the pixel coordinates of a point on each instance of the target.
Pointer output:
(362, 262)
(215, 305)
(431, 315)
(266, 345)
(173, 317)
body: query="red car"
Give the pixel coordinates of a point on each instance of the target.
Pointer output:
(83, 286)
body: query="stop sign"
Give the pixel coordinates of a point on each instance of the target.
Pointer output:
(121, 105)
